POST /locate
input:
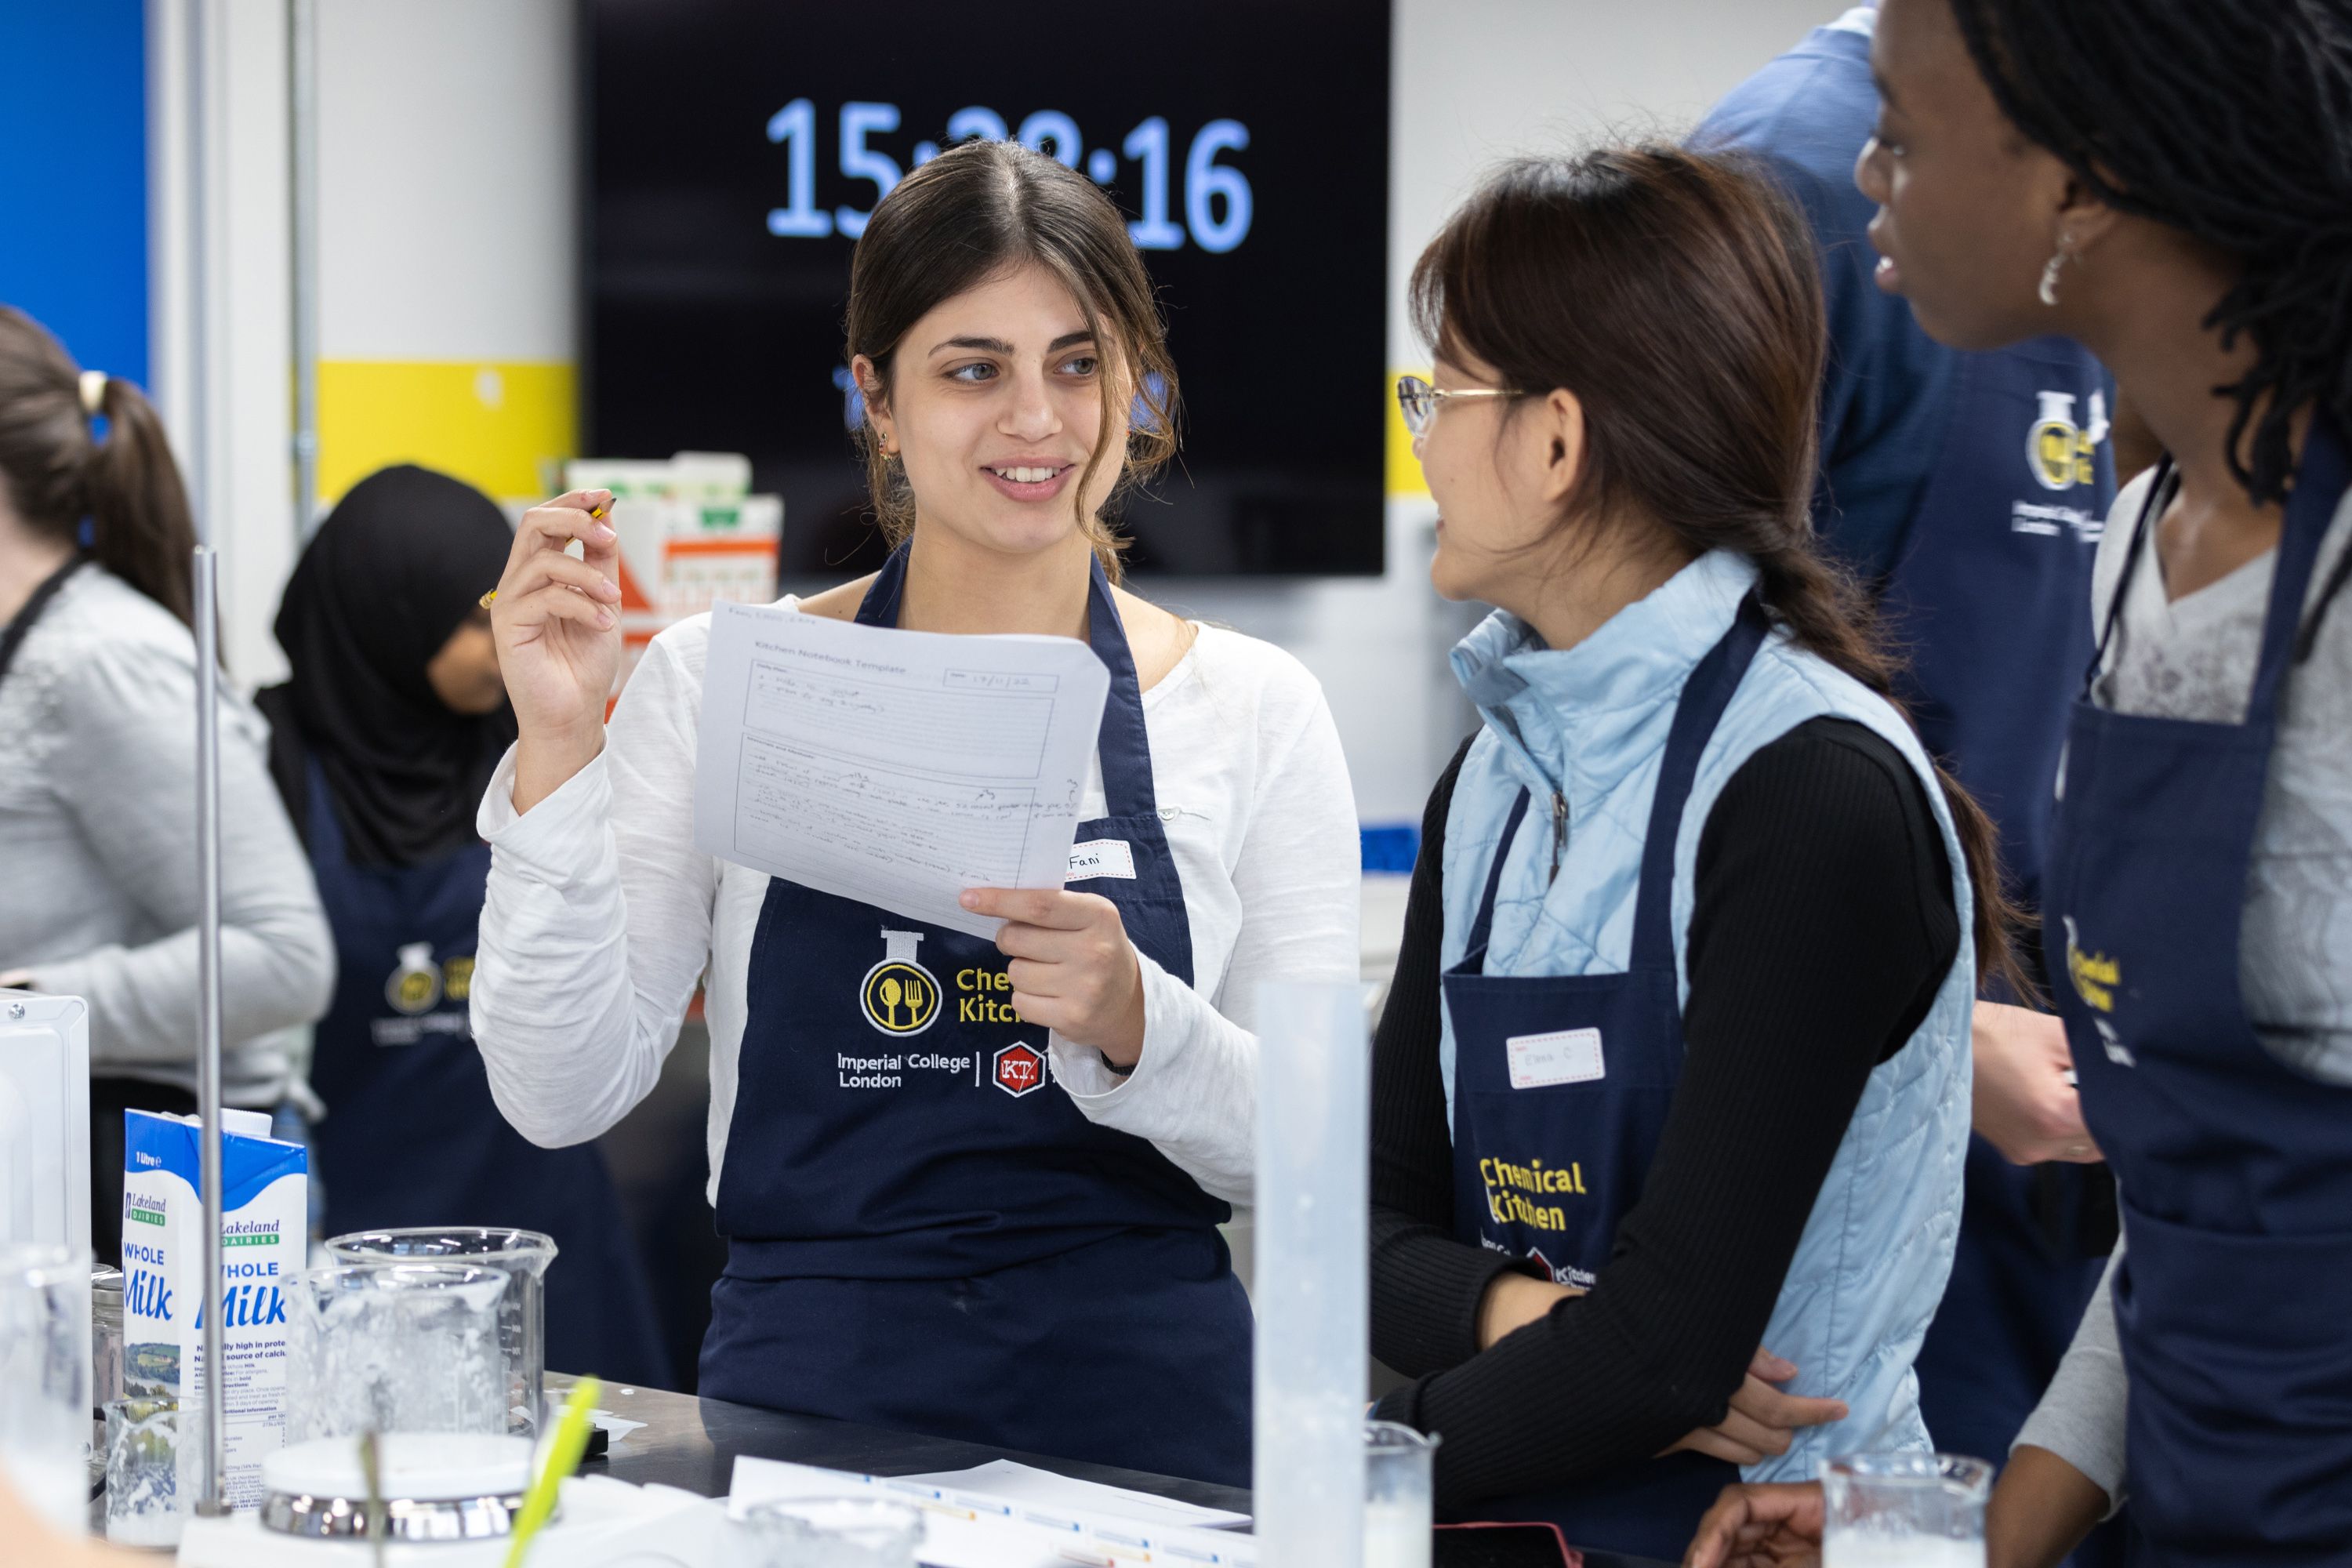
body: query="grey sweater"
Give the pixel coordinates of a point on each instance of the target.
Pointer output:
(97, 856)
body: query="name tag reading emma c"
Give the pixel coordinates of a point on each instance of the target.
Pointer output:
(1564, 1055)
(1102, 858)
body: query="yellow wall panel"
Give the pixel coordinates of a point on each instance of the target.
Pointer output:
(498, 427)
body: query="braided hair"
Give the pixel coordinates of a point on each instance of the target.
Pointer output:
(2231, 120)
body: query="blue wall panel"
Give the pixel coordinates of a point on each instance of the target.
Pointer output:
(73, 175)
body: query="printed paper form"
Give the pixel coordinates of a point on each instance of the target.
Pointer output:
(894, 768)
(977, 1527)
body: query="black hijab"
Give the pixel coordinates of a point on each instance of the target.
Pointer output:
(398, 567)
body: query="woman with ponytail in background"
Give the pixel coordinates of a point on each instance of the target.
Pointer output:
(98, 769)
(1676, 1061)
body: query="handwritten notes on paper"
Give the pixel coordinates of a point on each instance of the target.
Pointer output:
(894, 768)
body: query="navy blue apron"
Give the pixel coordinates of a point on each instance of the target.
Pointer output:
(1986, 600)
(924, 1233)
(412, 1136)
(2234, 1298)
(1561, 1085)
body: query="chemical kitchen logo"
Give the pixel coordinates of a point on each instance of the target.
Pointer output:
(416, 985)
(1020, 1069)
(898, 996)
(2060, 453)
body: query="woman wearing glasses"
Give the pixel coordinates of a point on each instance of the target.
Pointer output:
(1675, 1063)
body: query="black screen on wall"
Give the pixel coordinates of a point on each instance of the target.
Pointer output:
(735, 146)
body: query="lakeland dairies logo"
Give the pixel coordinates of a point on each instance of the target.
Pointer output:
(898, 996)
(144, 1208)
(249, 1233)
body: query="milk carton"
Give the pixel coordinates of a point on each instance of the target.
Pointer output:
(265, 1188)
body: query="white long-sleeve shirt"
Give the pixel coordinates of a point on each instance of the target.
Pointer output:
(602, 917)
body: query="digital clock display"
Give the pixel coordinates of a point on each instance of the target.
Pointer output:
(736, 149)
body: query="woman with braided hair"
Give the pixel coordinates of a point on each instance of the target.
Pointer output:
(2169, 183)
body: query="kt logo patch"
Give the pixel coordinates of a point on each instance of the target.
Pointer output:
(1019, 1069)
(898, 996)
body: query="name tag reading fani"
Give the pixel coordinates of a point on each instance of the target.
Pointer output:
(1564, 1055)
(1102, 858)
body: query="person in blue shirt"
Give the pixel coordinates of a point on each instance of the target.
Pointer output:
(1967, 490)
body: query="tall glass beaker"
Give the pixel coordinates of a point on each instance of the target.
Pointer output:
(394, 1347)
(522, 1255)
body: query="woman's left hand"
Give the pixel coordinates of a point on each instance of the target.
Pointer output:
(1073, 969)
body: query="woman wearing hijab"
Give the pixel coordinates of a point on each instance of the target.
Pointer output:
(385, 735)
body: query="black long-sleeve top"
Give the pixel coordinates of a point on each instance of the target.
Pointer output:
(1823, 925)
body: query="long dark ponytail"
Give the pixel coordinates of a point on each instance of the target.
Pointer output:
(1676, 293)
(57, 471)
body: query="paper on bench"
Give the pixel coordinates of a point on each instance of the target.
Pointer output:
(894, 768)
(1018, 1482)
(967, 1528)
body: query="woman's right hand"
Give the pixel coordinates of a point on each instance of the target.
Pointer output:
(557, 625)
(1762, 1418)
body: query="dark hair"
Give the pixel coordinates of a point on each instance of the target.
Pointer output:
(2228, 119)
(967, 216)
(1676, 293)
(59, 472)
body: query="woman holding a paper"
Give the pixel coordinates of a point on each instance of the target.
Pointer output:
(1677, 1062)
(969, 1188)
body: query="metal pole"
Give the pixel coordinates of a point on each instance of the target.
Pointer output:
(302, 103)
(195, 420)
(213, 1449)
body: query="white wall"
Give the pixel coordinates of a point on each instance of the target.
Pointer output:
(219, 318)
(448, 232)
(447, 202)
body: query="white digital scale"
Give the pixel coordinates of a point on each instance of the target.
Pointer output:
(448, 1500)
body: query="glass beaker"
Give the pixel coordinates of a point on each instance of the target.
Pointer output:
(45, 1366)
(146, 1501)
(1398, 1522)
(1903, 1510)
(522, 1255)
(394, 1347)
(834, 1533)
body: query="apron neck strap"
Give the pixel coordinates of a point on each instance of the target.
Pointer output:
(1121, 744)
(2151, 507)
(1704, 696)
(12, 636)
(2320, 481)
(1474, 957)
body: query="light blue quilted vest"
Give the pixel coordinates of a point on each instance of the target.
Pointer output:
(1590, 722)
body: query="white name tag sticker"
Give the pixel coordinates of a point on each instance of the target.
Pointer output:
(1565, 1056)
(1102, 858)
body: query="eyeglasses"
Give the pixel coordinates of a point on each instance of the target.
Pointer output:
(1418, 399)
